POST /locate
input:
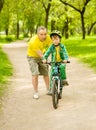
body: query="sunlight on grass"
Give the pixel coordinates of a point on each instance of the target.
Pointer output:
(4, 39)
(85, 50)
(8, 39)
(5, 70)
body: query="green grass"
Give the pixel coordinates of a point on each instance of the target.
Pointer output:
(4, 39)
(5, 65)
(8, 39)
(5, 71)
(85, 50)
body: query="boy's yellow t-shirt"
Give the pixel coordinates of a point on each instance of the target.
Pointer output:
(35, 44)
(58, 58)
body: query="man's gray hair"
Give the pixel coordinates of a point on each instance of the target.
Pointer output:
(41, 28)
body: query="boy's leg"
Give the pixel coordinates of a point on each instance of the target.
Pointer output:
(63, 74)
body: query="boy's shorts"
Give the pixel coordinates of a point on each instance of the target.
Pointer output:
(37, 67)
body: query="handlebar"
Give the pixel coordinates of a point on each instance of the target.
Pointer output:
(51, 62)
(68, 61)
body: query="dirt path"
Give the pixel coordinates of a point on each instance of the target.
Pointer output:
(77, 109)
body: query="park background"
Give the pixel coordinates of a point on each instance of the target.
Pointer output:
(76, 19)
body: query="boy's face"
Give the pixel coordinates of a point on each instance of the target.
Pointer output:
(55, 39)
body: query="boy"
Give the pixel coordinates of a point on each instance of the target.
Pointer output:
(58, 53)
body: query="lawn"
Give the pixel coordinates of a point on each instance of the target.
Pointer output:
(6, 67)
(85, 50)
(5, 71)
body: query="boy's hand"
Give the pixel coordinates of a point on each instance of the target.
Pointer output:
(44, 61)
(64, 61)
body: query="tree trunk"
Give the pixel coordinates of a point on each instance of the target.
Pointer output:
(66, 28)
(17, 35)
(6, 31)
(94, 30)
(1, 4)
(47, 9)
(83, 25)
(52, 25)
(46, 19)
(31, 32)
(90, 29)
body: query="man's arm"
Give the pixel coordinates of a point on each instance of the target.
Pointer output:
(39, 52)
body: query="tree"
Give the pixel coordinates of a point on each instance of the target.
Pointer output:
(5, 17)
(47, 6)
(60, 19)
(32, 16)
(81, 9)
(1, 4)
(90, 17)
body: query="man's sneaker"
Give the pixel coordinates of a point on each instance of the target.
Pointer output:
(65, 83)
(49, 92)
(36, 96)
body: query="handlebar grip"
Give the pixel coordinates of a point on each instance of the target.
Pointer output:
(68, 61)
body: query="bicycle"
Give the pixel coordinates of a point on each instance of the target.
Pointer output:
(56, 83)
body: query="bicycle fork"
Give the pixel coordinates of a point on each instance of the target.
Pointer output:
(58, 85)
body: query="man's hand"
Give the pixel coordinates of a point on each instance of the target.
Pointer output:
(44, 61)
(39, 53)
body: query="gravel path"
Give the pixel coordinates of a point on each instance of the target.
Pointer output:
(76, 111)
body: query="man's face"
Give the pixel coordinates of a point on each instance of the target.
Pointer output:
(42, 35)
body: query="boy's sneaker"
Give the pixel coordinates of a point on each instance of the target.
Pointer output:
(49, 92)
(36, 96)
(65, 83)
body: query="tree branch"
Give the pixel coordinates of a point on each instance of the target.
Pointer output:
(87, 1)
(85, 4)
(89, 31)
(43, 5)
(48, 7)
(64, 2)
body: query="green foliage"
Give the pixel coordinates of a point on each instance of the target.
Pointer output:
(9, 39)
(4, 39)
(5, 67)
(31, 13)
(5, 71)
(85, 50)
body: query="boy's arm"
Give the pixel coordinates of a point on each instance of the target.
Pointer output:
(47, 53)
(65, 53)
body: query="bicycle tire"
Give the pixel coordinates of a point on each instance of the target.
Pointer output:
(60, 94)
(55, 98)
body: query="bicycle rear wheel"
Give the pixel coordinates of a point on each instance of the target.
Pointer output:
(55, 98)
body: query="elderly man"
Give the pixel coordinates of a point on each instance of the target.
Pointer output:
(36, 47)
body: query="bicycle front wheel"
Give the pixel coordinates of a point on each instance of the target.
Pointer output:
(55, 98)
